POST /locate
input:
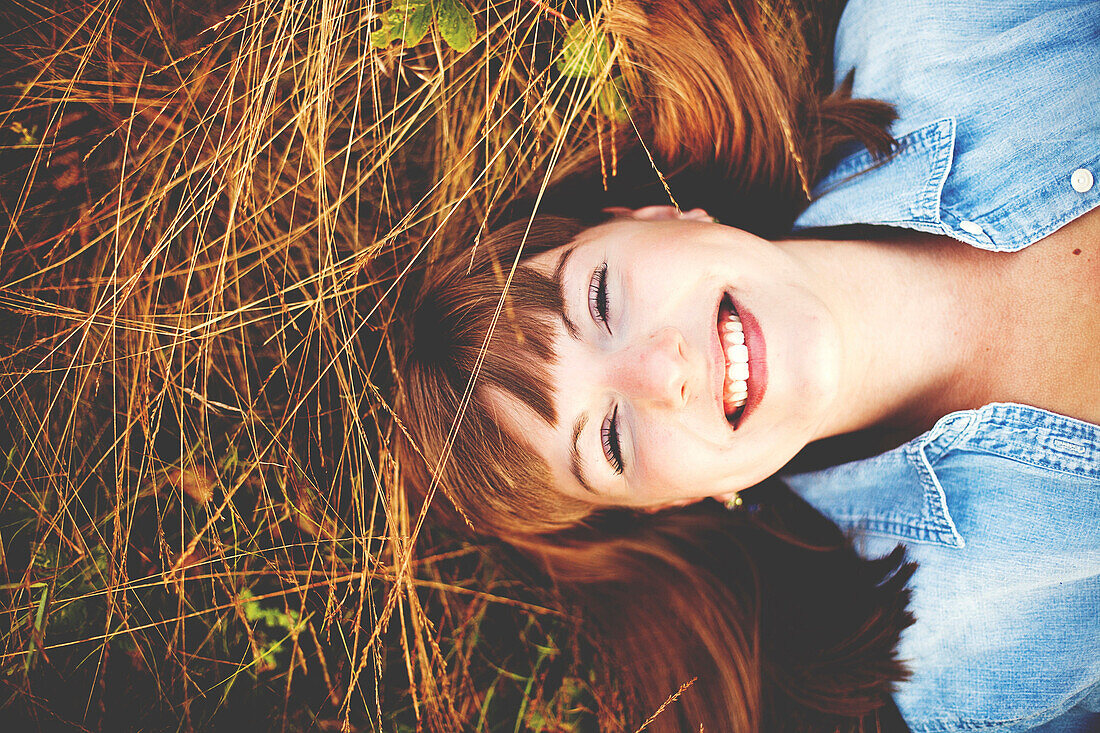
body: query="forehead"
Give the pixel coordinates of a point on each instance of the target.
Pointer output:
(551, 442)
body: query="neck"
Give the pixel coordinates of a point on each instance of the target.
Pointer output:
(909, 308)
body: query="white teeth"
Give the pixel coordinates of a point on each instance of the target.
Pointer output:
(737, 362)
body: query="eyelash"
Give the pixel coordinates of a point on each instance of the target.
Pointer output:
(597, 306)
(597, 296)
(609, 436)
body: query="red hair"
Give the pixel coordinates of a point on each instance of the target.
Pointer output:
(779, 632)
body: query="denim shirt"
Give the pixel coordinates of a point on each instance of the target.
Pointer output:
(999, 128)
(998, 123)
(1000, 507)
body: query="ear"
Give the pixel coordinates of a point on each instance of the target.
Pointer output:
(698, 215)
(660, 213)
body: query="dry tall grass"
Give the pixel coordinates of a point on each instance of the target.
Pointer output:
(210, 210)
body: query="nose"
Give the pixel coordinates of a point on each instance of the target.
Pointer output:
(657, 369)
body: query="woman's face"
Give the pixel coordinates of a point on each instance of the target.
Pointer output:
(661, 396)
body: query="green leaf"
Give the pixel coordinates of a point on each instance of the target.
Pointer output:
(420, 20)
(390, 31)
(406, 21)
(456, 24)
(586, 51)
(612, 99)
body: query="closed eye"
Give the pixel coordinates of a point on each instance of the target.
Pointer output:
(597, 296)
(609, 437)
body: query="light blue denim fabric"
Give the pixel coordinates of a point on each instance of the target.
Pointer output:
(998, 104)
(999, 107)
(1000, 507)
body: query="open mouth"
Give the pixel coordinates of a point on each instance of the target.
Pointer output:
(735, 385)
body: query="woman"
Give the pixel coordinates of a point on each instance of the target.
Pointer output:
(949, 394)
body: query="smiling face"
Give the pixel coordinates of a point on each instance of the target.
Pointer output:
(693, 360)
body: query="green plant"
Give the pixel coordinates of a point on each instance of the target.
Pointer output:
(408, 21)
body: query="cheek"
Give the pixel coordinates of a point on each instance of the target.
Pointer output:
(667, 269)
(675, 462)
(673, 457)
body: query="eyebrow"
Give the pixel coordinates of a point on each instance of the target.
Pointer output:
(559, 279)
(575, 465)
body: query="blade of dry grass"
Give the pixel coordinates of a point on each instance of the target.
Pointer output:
(210, 210)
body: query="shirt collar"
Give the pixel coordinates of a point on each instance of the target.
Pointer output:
(901, 190)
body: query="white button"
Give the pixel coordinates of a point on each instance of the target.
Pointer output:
(1081, 180)
(971, 228)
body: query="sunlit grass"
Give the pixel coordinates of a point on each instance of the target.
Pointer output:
(210, 211)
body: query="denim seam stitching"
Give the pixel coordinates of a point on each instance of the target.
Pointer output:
(890, 526)
(1009, 456)
(932, 441)
(1014, 414)
(935, 498)
(943, 153)
(931, 137)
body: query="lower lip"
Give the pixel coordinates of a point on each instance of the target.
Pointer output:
(758, 363)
